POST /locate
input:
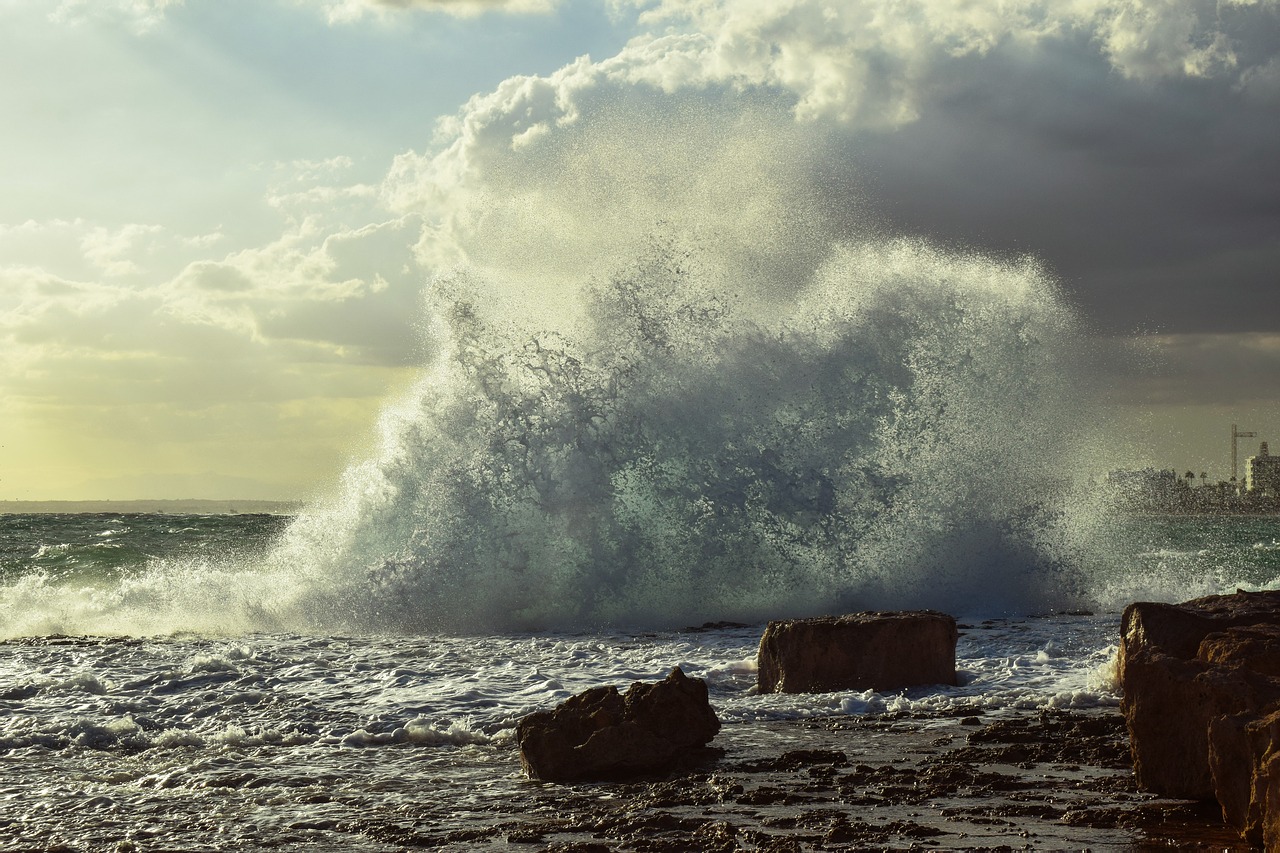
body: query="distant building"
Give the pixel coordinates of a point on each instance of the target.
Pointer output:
(1262, 473)
(1148, 489)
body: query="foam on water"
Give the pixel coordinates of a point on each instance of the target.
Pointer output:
(205, 695)
(251, 737)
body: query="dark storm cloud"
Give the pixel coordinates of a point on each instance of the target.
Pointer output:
(1227, 370)
(1158, 203)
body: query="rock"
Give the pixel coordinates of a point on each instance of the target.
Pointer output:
(1201, 699)
(600, 734)
(859, 651)
(1245, 761)
(1243, 747)
(1178, 629)
(1254, 647)
(1268, 792)
(1230, 752)
(1239, 756)
(1168, 705)
(1184, 666)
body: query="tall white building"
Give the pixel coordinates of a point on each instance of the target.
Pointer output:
(1262, 473)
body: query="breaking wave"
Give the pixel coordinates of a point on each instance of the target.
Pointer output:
(902, 434)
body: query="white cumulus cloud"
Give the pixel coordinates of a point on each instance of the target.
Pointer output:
(344, 11)
(143, 14)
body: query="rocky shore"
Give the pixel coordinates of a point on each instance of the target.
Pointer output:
(646, 779)
(1019, 781)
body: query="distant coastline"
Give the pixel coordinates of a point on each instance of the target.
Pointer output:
(190, 506)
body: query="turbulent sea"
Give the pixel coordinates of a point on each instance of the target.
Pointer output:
(731, 424)
(190, 738)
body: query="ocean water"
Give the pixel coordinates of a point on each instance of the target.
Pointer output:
(549, 509)
(725, 415)
(258, 739)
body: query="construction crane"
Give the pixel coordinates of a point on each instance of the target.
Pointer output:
(1235, 434)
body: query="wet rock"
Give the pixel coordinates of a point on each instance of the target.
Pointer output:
(1179, 629)
(859, 651)
(1201, 685)
(1230, 753)
(1254, 647)
(1184, 666)
(713, 626)
(1169, 704)
(1242, 747)
(1243, 753)
(603, 735)
(1267, 780)
(891, 791)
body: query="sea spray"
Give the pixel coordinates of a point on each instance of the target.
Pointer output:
(903, 435)
(903, 432)
(675, 376)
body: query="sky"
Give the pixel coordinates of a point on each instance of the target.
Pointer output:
(219, 217)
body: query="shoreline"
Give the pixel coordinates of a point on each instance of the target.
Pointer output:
(1031, 780)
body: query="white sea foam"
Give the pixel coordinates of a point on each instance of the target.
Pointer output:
(291, 692)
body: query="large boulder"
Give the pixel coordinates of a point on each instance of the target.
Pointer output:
(1169, 704)
(1201, 697)
(1246, 774)
(603, 735)
(1178, 629)
(858, 651)
(1182, 667)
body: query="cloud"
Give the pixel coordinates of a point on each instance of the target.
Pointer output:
(108, 248)
(870, 61)
(144, 15)
(85, 250)
(286, 320)
(1127, 142)
(209, 368)
(346, 11)
(1235, 371)
(311, 184)
(1000, 125)
(709, 112)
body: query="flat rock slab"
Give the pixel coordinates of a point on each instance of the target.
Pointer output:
(877, 650)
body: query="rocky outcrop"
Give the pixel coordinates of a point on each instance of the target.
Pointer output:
(1201, 699)
(859, 651)
(1246, 774)
(1254, 647)
(1178, 629)
(1169, 703)
(601, 734)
